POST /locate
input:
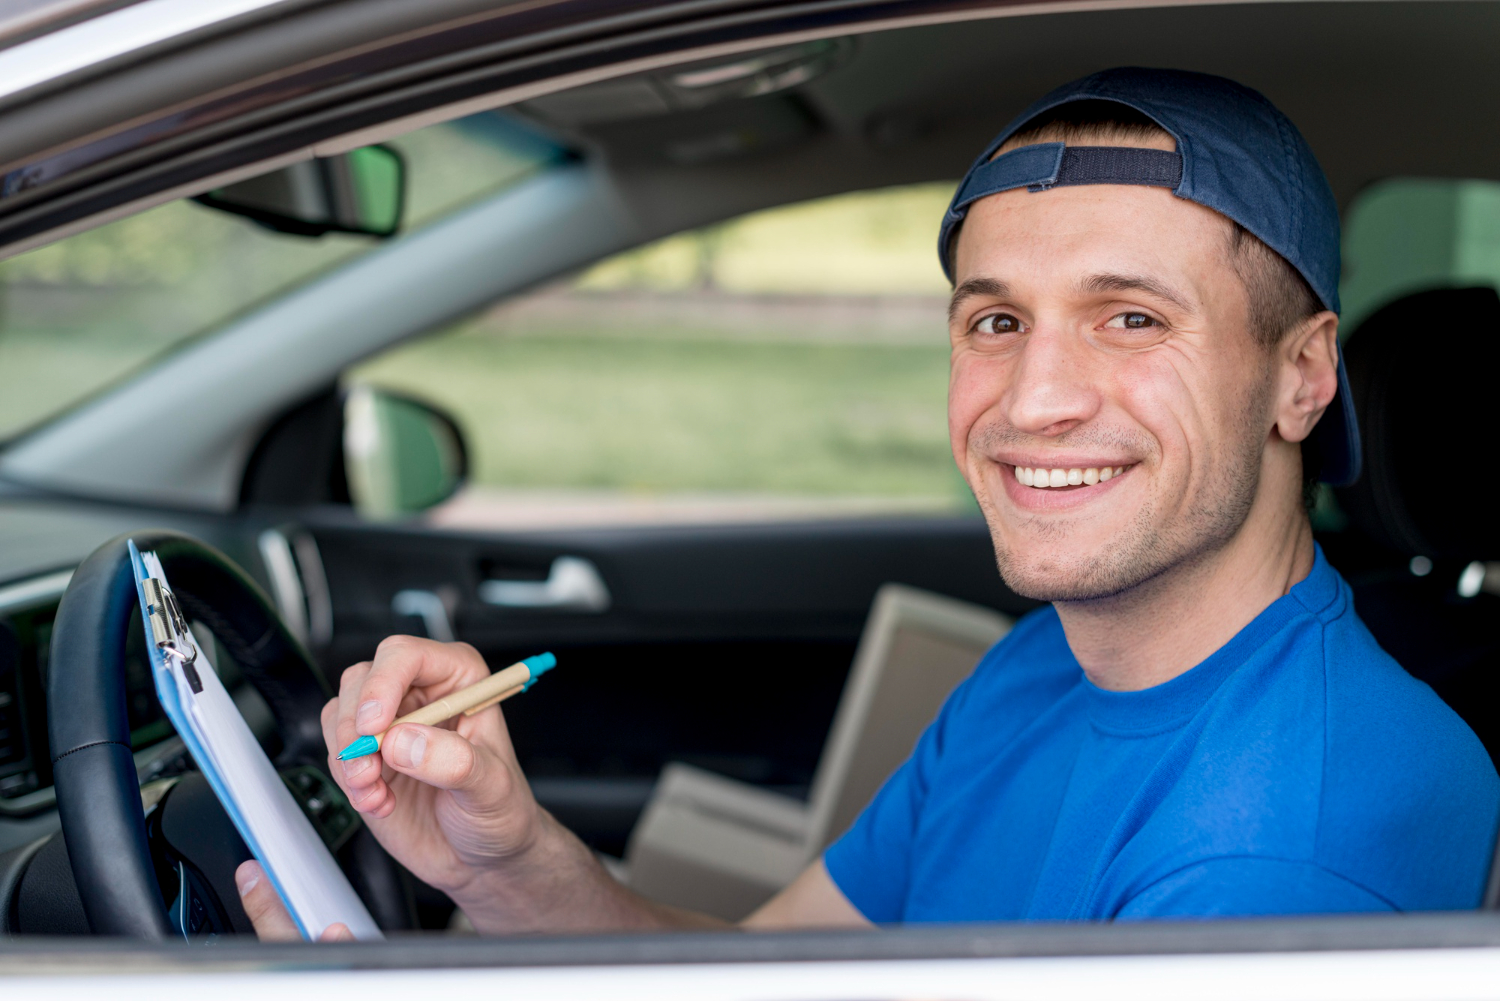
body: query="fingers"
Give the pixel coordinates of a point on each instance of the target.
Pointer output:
(401, 663)
(441, 758)
(360, 778)
(272, 922)
(268, 915)
(407, 672)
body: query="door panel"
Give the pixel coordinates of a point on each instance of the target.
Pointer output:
(725, 647)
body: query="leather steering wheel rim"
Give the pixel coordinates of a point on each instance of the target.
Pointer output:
(98, 790)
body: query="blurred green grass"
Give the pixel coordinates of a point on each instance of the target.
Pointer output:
(575, 411)
(795, 352)
(880, 242)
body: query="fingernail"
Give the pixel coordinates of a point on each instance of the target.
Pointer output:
(409, 748)
(246, 876)
(356, 767)
(368, 713)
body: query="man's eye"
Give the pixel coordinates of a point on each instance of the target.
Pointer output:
(999, 323)
(1133, 321)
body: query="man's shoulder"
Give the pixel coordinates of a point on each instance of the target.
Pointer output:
(1377, 712)
(1387, 725)
(1371, 707)
(1393, 790)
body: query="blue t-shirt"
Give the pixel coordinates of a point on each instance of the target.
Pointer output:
(1298, 769)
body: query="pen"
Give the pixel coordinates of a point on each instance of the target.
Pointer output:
(496, 688)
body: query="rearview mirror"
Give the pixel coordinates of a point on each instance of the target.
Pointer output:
(400, 455)
(362, 191)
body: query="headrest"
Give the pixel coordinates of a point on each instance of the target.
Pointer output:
(1423, 371)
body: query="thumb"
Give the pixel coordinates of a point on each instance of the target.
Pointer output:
(272, 922)
(442, 758)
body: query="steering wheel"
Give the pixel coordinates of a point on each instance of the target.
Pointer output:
(98, 790)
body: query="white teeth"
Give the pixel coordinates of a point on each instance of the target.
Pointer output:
(1044, 478)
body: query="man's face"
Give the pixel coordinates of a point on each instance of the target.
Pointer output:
(1103, 328)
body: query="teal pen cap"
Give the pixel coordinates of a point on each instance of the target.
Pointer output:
(540, 664)
(360, 748)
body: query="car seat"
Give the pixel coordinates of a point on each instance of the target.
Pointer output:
(1422, 371)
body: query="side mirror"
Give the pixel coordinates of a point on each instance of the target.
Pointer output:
(362, 191)
(400, 455)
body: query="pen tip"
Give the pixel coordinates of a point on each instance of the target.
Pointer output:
(360, 748)
(540, 664)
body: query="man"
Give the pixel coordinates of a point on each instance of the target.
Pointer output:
(1145, 370)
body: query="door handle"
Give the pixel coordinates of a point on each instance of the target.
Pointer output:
(430, 608)
(573, 584)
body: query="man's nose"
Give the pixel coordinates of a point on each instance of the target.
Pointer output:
(1055, 386)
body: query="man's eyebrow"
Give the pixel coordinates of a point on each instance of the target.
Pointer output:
(989, 287)
(1135, 283)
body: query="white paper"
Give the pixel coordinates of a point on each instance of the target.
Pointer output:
(278, 833)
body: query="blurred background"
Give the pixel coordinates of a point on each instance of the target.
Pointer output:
(787, 364)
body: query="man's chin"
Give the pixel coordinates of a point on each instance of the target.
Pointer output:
(1055, 579)
(1066, 568)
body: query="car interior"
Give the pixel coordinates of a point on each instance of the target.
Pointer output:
(297, 553)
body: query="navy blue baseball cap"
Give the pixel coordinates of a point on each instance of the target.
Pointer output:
(1236, 154)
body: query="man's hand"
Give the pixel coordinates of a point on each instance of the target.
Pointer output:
(272, 922)
(449, 802)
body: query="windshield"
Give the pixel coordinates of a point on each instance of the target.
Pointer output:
(81, 313)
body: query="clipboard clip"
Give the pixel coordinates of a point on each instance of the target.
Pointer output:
(169, 630)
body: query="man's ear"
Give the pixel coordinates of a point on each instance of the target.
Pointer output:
(1309, 360)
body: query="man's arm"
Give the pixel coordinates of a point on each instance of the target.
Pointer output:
(451, 804)
(813, 900)
(567, 889)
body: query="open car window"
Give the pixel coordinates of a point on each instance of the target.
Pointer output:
(80, 314)
(790, 363)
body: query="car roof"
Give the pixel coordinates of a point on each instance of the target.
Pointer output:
(1380, 88)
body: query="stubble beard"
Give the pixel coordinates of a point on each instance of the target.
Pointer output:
(1152, 544)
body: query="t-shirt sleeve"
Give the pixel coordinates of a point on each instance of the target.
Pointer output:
(1248, 887)
(871, 863)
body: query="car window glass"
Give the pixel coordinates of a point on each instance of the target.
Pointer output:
(85, 311)
(1405, 235)
(790, 363)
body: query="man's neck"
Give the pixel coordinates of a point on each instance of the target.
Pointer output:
(1164, 627)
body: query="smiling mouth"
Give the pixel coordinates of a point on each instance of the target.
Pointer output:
(1057, 479)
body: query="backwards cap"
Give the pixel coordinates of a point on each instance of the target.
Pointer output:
(1236, 154)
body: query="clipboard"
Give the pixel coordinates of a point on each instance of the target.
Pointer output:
(277, 832)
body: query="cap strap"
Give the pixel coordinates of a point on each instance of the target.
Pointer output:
(1158, 168)
(1053, 165)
